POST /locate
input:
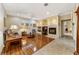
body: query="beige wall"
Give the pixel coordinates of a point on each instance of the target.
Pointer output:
(44, 22)
(1, 17)
(7, 21)
(1, 26)
(74, 20)
(74, 16)
(39, 23)
(53, 20)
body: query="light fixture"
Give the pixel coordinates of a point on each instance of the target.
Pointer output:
(14, 27)
(45, 4)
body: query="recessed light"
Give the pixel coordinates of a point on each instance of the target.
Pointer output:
(45, 4)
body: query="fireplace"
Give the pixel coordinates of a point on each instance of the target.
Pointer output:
(52, 31)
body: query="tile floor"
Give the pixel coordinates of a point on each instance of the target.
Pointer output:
(62, 46)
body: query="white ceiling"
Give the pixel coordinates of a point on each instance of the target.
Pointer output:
(38, 10)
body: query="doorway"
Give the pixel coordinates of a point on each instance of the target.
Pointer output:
(66, 28)
(44, 30)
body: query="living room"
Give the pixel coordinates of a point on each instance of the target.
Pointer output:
(35, 29)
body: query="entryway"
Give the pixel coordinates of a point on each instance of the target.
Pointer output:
(66, 28)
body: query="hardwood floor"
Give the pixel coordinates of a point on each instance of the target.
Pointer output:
(29, 45)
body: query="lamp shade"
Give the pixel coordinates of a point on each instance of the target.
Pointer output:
(14, 27)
